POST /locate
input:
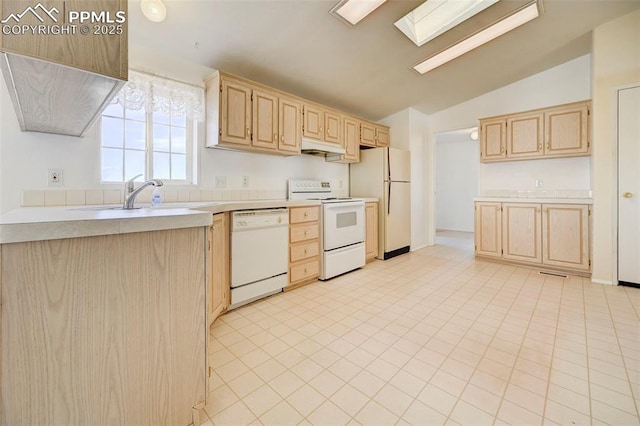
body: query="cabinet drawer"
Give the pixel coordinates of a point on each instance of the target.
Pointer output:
(304, 251)
(304, 214)
(305, 271)
(303, 232)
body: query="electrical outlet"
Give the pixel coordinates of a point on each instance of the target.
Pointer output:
(221, 181)
(56, 177)
(538, 183)
(245, 181)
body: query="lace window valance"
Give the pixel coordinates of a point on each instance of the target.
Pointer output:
(157, 94)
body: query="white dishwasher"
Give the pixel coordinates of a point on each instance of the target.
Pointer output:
(259, 254)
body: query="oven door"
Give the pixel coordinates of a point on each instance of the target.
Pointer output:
(343, 224)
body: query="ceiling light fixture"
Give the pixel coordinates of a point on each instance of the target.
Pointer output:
(434, 17)
(353, 11)
(516, 19)
(154, 10)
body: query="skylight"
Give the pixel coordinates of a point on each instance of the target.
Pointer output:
(434, 17)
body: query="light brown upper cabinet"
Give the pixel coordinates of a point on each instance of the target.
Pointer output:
(567, 130)
(289, 124)
(235, 112)
(249, 116)
(561, 131)
(313, 121)
(321, 123)
(332, 127)
(265, 120)
(246, 116)
(373, 135)
(350, 142)
(524, 135)
(50, 75)
(493, 133)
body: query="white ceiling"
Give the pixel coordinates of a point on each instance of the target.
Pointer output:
(297, 46)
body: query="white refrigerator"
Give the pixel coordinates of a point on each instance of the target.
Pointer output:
(385, 173)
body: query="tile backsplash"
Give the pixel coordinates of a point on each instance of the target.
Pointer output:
(75, 197)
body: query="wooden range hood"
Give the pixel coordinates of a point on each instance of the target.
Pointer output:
(62, 83)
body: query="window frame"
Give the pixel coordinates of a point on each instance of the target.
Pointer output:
(191, 135)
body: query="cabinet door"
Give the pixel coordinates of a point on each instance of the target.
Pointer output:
(218, 298)
(313, 122)
(332, 127)
(525, 135)
(367, 134)
(492, 139)
(382, 136)
(265, 120)
(104, 54)
(565, 238)
(351, 140)
(567, 130)
(235, 113)
(371, 236)
(488, 229)
(521, 234)
(289, 124)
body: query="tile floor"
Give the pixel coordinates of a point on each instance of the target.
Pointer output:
(429, 338)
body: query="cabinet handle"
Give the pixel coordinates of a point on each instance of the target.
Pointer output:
(547, 145)
(275, 136)
(627, 195)
(497, 208)
(305, 270)
(306, 251)
(306, 214)
(540, 147)
(247, 132)
(502, 150)
(306, 233)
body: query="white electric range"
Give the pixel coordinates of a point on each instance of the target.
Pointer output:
(342, 226)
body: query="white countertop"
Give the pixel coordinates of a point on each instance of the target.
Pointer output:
(50, 223)
(535, 200)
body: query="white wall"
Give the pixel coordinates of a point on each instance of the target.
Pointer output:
(26, 157)
(410, 131)
(616, 62)
(456, 182)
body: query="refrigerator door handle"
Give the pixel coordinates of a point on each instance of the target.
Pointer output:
(389, 199)
(388, 165)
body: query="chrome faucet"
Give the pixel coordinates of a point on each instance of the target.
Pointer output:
(130, 193)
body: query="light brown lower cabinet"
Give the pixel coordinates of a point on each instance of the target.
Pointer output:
(556, 236)
(304, 245)
(218, 274)
(371, 235)
(104, 330)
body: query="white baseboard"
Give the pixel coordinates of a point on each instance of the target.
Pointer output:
(605, 282)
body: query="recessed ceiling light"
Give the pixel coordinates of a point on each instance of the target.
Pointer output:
(353, 11)
(434, 17)
(519, 17)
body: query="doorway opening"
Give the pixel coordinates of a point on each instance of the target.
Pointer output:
(457, 160)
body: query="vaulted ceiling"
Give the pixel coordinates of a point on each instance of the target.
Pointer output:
(297, 46)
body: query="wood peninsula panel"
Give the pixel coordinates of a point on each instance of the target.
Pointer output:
(104, 330)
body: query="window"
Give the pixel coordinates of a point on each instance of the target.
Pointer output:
(150, 129)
